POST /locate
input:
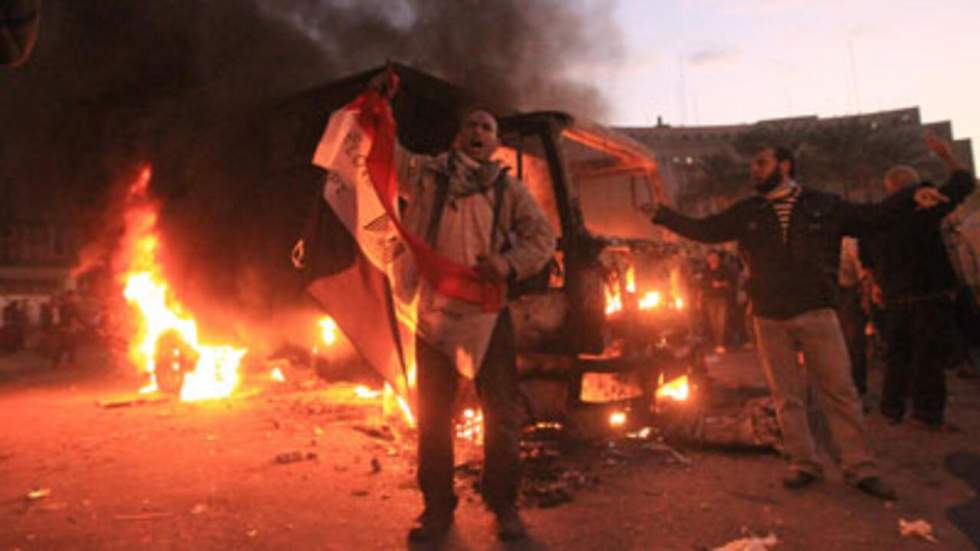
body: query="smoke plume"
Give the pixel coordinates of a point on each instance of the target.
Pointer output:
(112, 85)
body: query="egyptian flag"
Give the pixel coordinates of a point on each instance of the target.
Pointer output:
(358, 237)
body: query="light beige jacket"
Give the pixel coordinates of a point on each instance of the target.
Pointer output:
(462, 330)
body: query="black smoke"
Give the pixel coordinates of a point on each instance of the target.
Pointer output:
(115, 84)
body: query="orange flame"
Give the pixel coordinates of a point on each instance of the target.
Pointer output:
(328, 330)
(649, 301)
(392, 399)
(630, 280)
(676, 389)
(617, 291)
(215, 373)
(366, 392)
(614, 298)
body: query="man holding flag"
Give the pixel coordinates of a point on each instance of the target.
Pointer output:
(469, 229)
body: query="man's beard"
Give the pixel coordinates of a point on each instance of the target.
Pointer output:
(770, 183)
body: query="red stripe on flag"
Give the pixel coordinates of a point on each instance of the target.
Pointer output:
(447, 277)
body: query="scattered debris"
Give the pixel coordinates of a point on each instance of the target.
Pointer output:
(38, 493)
(660, 447)
(130, 400)
(382, 432)
(754, 427)
(252, 533)
(918, 528)
(360, 493)
(199, 508)
(295, 457)
(375, 465)
(144, 516)
(750, 543)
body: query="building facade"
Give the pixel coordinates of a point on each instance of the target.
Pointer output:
(704, 168)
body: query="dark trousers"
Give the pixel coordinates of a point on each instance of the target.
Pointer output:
(920, 336)
(716, 311)
(853, 321)
(496, 385)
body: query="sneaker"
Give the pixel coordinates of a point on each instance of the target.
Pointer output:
(941, 427)
(510, 527)
(431, 525)
(799, 479)
(875, 487)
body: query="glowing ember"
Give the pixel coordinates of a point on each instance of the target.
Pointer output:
(649, 301)
(470, 426)
(367, 393)
(617, 419)
(214, 373)
(277, 375)
(676, 389)
(614, 299)
(328, 330)
(630, 280)
(391, 399)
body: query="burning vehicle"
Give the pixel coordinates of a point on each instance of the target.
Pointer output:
(604, 334)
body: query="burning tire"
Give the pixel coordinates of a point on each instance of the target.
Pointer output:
(174, 358)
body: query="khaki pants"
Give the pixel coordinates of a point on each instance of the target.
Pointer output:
(817, 334)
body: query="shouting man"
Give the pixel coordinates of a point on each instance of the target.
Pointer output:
(790, 236)
(469, 209)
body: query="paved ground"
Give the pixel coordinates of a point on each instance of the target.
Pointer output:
(205, 476)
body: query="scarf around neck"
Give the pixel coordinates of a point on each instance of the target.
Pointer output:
(468, 176)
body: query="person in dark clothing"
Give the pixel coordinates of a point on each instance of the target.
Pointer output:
(850, 311)
(716, 299)
(912, 267)
(68, 332)
(790, 237)
(471, 211)
(967, 310)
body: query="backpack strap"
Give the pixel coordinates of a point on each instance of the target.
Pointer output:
(498, 201)
(438, 205)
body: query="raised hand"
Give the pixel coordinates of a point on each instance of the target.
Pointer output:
(943, 150)
(385, 83)
(928, 197)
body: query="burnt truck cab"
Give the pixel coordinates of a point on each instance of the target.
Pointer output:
(612, 325)
(605, 326)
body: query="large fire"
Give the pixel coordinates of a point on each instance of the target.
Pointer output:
(167, 344)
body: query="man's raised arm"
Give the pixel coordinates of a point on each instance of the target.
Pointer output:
(408, 165)
(715, 228)
(958, 186)
(859, 218)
